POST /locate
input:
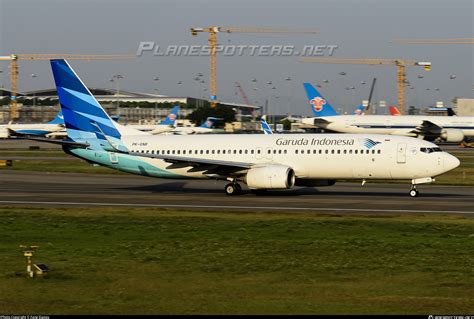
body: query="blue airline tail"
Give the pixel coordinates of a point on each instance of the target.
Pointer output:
(58, 119)
(209, 122)
(359, 110)
(172, 117)
(319, 105)
(265, 127)
(84, 118)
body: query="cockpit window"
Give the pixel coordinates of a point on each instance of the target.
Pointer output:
(430, 149)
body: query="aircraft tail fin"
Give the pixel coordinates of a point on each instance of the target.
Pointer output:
(319, 105)
(209, 122)
(172, 117)
(265, 127)
(359, 110)
(394, 110)
(58, 119)
(84, 117)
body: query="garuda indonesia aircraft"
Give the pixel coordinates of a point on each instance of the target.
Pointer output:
(42, 129)
(431, 128)
(273, 161)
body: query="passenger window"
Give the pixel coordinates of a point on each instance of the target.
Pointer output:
(296, 151)
(350, 151)
(246, 151)
(373, 151)
(252, 151)
(284, 151)
(379, 151)
(240, 151)
(308, 152)
(279, 151)
(168, 152)
(235, 151)
(338, 151)
(218, 151)
(178, 151)
(356, 152)
(345, 151)
(223, 151)
(320, 151)
(367, 152)
(201, 151)
(269, 152)
(332, 151)
(184, 152)
(258, 151)
(207, 151)
(326, 151)
(172, 152)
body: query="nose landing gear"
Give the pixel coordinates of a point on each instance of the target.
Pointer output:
(413, 191)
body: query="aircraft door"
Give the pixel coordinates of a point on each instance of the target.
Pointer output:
(401, 153)
(113, 157)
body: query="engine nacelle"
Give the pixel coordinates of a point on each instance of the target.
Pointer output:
(452, 135)
(270, 177)
(314, 182)
(4, 133)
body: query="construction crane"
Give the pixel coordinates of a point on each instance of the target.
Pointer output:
(242, 92)
(213, 30)
(14, 58)
(401, 64)
(435, 41)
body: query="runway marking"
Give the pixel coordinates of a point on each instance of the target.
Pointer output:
(239, 207)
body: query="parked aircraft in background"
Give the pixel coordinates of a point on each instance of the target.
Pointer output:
(54, 126)
(276, 161)
(431, 128)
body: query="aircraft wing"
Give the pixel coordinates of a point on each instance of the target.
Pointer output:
(199, 164)
(50, 140)
(428, 130)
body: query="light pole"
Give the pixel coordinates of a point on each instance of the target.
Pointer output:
(288, 79)
(115, 78)
(156, 79)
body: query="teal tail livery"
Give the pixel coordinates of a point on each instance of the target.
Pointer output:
(319, 105)
(172, 117)
(84, 118)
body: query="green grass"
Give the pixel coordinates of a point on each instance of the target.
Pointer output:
(142, 261)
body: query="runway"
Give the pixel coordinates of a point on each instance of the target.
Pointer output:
(68, 189)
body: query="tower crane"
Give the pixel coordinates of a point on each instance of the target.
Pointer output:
(213, 30)
(401, 64)
(14, 58)
(242, 92)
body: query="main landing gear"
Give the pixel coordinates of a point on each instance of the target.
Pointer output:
(233, 188)
(413, 191)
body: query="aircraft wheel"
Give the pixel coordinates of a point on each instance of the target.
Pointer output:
(414, 192)
(233, 189)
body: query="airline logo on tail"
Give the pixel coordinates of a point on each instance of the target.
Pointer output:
(370, 143)
(317, 103)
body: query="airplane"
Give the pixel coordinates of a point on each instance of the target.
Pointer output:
(54, 126)
(263, 162)
(205, 128)
(165, 126)
(430, 128)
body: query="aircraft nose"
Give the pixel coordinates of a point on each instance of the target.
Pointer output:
(450, 162)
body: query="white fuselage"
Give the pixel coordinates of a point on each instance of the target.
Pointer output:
(388, 124)
(311, 156)
(29, 129)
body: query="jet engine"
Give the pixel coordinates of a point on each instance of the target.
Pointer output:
(270, 177)
(452, 135)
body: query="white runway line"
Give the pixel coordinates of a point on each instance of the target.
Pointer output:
(241, 207)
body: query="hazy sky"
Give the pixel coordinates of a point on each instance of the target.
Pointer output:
(360, 29)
